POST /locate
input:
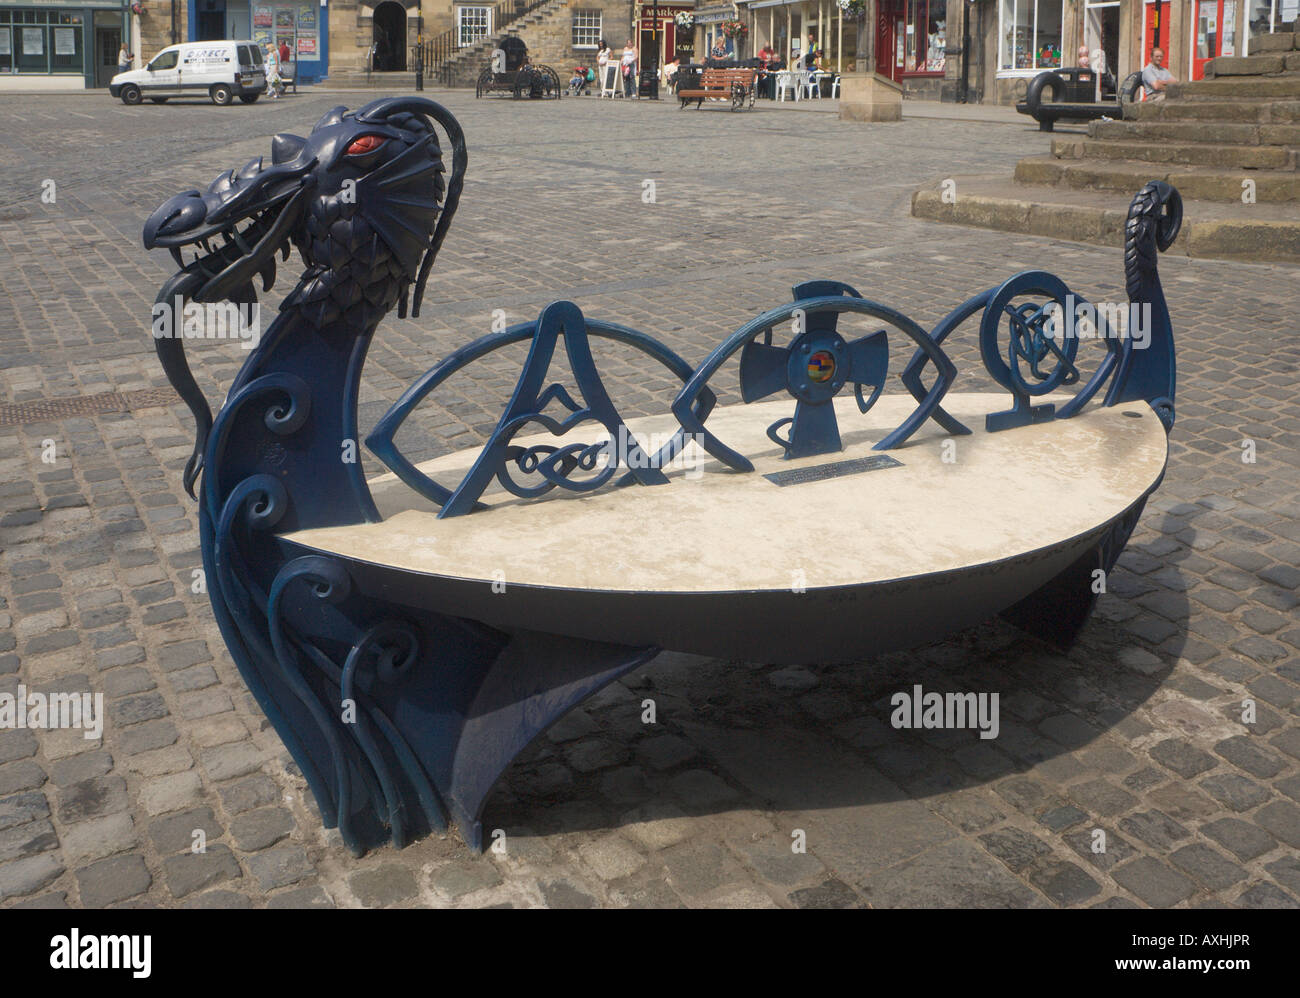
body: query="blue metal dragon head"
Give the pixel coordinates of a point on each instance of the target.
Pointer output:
(363, 198)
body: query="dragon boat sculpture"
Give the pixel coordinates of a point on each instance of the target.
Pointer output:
(409, 636)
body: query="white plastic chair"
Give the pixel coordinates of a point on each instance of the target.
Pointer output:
(810, 83)
(787, 79)
(835, 87)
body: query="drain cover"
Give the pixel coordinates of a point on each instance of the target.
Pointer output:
(44, 410)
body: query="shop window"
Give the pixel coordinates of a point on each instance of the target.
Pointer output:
(925, 36)
(65, 43)
(472, 24)
(32, 48)
(586, 29)
(1030, 34)
(1263, 17)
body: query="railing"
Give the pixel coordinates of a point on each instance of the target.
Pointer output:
(439, 50)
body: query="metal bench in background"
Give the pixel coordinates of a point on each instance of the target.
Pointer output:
(1071, 95)
(410, 634)
(511, 73)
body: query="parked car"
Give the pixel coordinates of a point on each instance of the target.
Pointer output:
(223, 70)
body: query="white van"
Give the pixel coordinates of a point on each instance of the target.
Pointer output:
(223, 70)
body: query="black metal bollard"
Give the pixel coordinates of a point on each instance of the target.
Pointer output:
(419, 66)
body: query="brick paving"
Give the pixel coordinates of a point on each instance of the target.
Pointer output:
(1135, 737)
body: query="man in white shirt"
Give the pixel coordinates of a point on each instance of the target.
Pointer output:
(1155, 77)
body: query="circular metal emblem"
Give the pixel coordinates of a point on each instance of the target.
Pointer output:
(821, 366)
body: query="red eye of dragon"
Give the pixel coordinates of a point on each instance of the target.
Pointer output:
(365, 144)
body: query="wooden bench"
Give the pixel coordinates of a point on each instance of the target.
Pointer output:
(735, 85)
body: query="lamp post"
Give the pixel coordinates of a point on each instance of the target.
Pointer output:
(419, 50)
(654, 52)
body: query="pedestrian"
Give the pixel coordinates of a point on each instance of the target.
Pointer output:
(1155, 77)
(629, 69)
(811, 55)
(284, 52)
(124, 58)
(602, 66)
(272, 71)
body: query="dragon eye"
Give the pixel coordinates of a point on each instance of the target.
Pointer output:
(365, 144)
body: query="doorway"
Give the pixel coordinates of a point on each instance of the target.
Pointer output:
(212, 21)
(1155, 31)
(890, 35)
(108, 42)
(1101, 34)
(390, 37)
(1214, 30)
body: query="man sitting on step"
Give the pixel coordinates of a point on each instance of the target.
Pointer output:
(1155, 77)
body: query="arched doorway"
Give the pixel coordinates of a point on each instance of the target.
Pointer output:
(390, 37)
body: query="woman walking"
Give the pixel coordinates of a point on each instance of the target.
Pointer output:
(629, 69)
(272, 71)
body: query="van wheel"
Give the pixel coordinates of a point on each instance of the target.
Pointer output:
(249, 98)
(158, 100)
(220, 95)
(130, 94)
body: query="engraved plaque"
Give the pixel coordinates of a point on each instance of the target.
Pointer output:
(835, 469)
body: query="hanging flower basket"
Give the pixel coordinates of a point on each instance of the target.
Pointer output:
(137, 8)
(854, 8)
(685, 19)
(734, 29)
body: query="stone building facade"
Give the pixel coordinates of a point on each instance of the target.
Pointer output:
(989, 50)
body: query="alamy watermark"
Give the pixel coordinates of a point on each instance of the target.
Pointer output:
(949, 711)
(641, 451)
(37, 710)
(91, 951)
(1080, 320)
(214, 320)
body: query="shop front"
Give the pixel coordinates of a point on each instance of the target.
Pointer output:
(302, 25)
(787, 25)
(1226, 27)
(59, 47)
(659, 37)
(912, 44)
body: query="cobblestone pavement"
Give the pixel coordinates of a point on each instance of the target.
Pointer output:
(1138, 731)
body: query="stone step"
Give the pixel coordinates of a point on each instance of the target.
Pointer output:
(1210, 230)
(1274, 112)
(1180, 153)
(1201, 183)
(1221, 132)
(1269, 64)
(1279, 41)
(1242, 87)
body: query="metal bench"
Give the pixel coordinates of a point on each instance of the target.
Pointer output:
(511, 73)
(734, 85)
(409, 634)
(1070, 95)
